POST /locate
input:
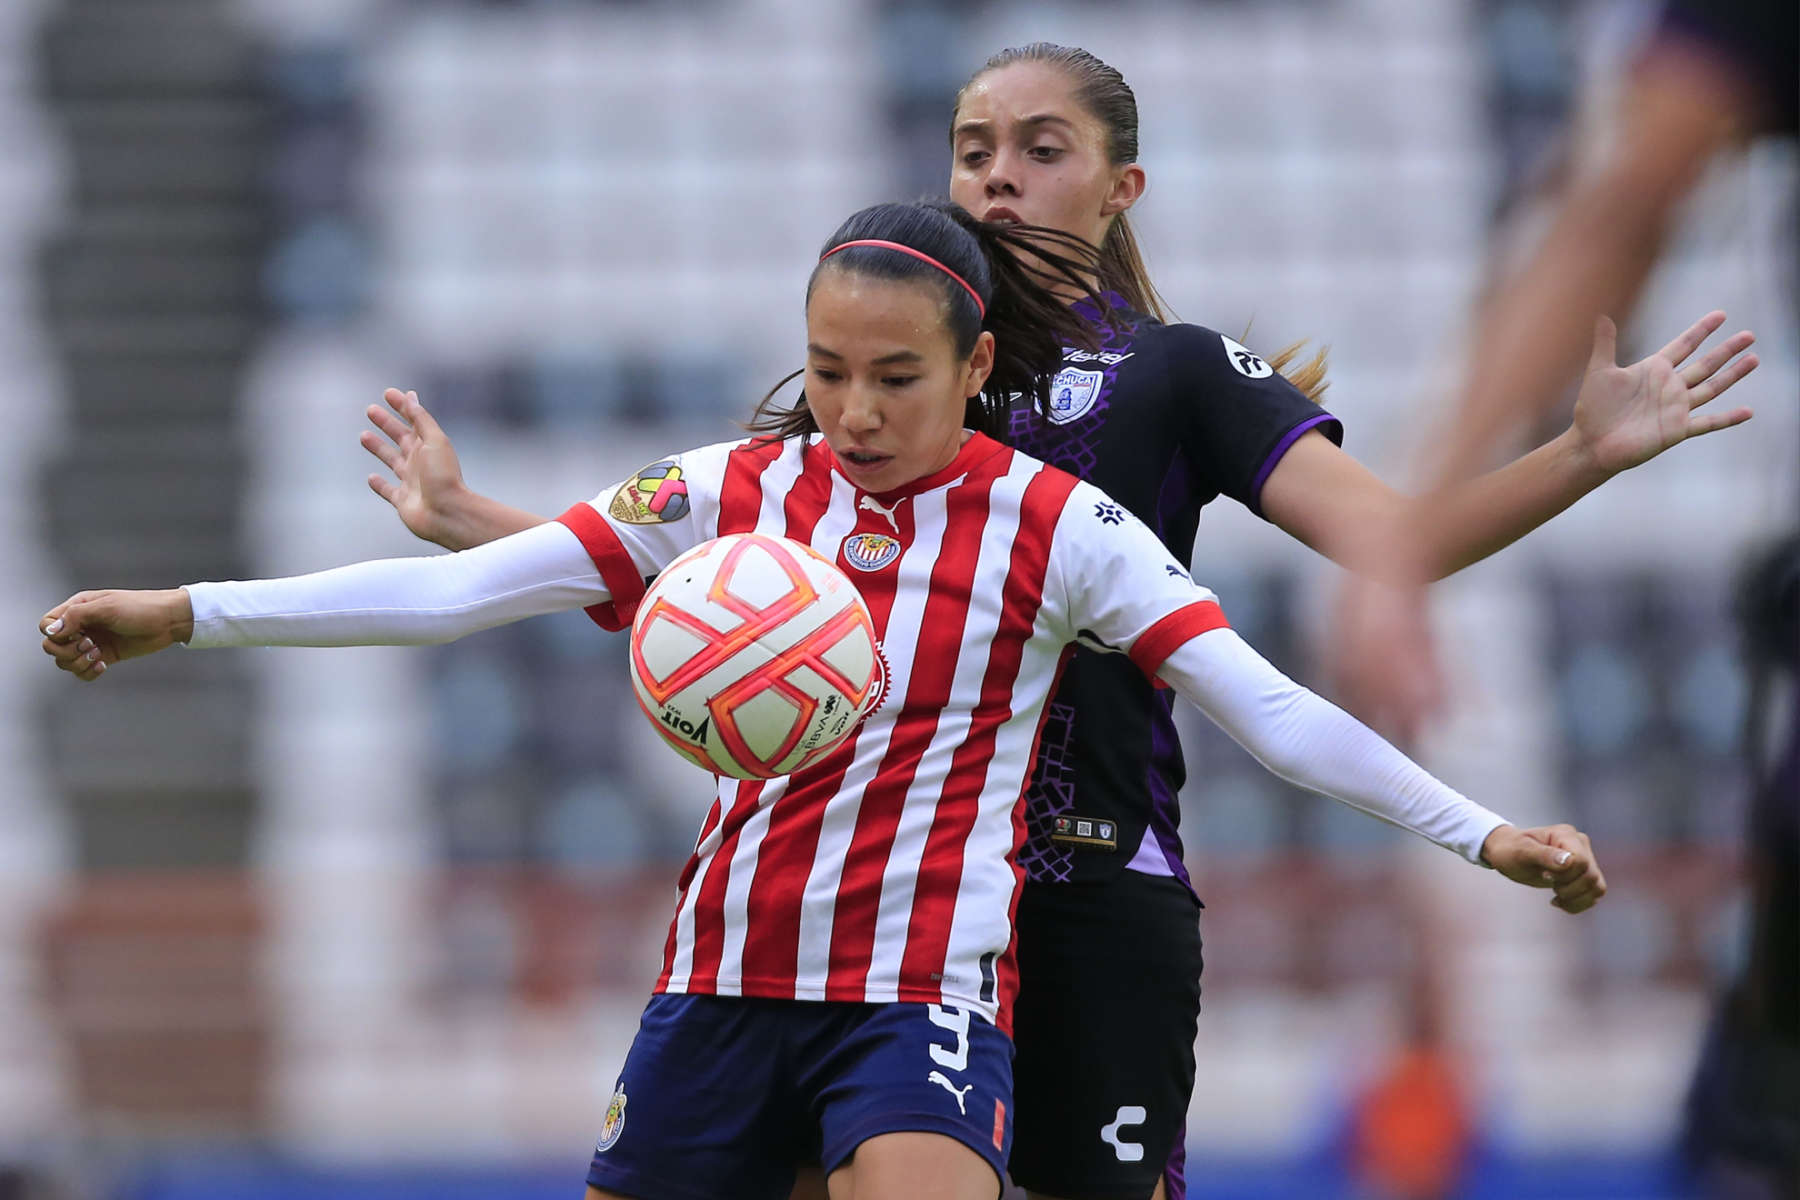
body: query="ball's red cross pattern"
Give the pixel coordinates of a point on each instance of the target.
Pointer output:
(756, 621)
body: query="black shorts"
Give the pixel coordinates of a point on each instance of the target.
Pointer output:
(1109, 1002)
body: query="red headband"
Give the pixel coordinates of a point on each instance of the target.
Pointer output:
(980, 308)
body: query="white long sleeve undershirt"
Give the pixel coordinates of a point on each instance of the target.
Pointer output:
(403, 601)
(1307, 740)
(416, 601)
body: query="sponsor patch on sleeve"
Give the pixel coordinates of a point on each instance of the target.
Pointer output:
(1246, 361)
(656, 494)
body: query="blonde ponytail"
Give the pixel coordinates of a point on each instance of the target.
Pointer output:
(1309, 376)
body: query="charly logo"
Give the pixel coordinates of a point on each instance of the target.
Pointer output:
(655, 494)
(613, 1124)
(1128, 1115)
(870, 551)
(1073, 393)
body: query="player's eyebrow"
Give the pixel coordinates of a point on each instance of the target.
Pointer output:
(898, 356)
(979, 125)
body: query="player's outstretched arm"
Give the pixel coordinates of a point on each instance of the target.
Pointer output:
(386, 602)
(427, 490)
(1624, 417)
(1313, 743)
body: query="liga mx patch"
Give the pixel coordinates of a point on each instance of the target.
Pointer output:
(870, 551)
(654, 495)
(1073, 393)
(1091, 832)
(614, 1122)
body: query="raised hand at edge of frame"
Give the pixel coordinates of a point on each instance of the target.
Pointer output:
(1626, 416)
(428, 481)
(1559, 857)
(89, 630)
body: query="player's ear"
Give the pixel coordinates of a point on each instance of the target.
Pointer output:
(981, 364)
(1127, 189)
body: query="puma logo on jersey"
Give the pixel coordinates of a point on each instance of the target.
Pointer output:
(959, 1093)
(1128, 1114)
(870, 504)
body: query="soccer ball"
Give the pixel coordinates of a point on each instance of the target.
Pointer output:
(754, 656)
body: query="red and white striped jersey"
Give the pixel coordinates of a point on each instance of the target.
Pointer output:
(886, 871)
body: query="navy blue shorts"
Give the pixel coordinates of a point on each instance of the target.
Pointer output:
(721, 1097)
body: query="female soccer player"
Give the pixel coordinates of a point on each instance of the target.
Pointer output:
(1164, 418)
(838, 980)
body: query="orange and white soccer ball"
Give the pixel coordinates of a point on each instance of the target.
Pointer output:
(754, 656)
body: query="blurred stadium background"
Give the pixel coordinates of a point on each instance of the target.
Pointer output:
(378, 924)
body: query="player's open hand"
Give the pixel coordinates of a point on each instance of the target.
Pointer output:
(427, 478)
(89, 630)
(1558, 857)
(1626, 416)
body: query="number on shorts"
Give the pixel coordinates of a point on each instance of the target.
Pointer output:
(957, 1021)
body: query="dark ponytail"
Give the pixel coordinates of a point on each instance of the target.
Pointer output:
(1010, 267)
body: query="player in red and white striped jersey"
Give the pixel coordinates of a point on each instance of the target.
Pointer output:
(889, 875)
(839, 970)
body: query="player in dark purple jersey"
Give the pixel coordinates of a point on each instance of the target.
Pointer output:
(1165, 417)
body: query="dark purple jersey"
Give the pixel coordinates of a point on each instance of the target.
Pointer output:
(1164, 418)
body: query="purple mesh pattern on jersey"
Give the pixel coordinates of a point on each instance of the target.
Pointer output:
(1051, 794)
(1075, 447)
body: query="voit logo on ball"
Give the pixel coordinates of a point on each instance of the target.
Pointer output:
(686, 728)
(870, 551)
